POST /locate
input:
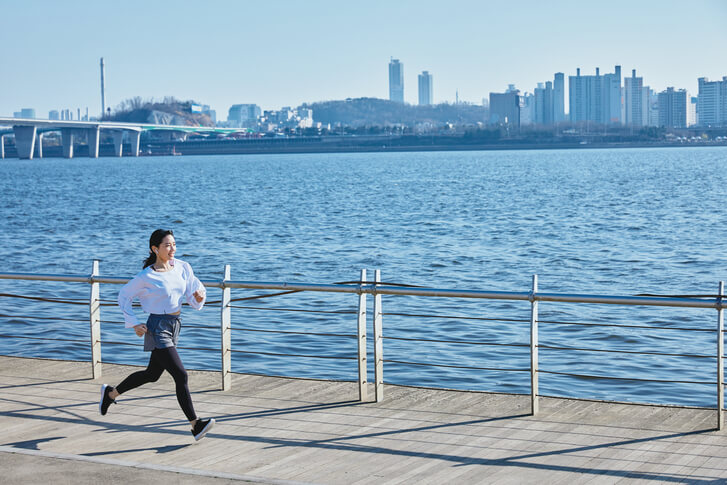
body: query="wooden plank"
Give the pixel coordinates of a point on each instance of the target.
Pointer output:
(311, 431)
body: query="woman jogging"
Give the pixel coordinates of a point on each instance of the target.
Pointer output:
(161, 287)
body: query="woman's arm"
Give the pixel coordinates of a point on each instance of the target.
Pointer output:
(195, 292)
(128, 292)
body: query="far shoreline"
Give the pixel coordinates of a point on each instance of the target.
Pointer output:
(321, 145)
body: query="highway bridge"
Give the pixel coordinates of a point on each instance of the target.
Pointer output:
(29, 133)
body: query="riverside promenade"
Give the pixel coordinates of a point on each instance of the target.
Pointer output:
(278, 430)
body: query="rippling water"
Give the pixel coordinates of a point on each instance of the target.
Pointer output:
(586, 221)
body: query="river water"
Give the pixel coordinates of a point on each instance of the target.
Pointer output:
(620, 222)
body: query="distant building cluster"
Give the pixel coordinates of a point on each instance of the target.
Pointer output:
(252, 117)
(601, 99)
(546, 105)
(62, 115)
(593, 99)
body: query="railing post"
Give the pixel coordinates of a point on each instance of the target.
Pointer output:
(534, 348)
(94, 309)
(720, 359)
(362, 385)
(226, 332)
(378, 342)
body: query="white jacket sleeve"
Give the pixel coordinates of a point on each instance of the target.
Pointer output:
(128, 292)
(193, 284)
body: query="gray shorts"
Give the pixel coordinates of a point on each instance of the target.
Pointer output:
(162, 331)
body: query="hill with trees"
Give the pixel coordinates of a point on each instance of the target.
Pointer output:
(169, 111)
(380, 112)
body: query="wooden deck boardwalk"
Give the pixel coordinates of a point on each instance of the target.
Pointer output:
(275, 430)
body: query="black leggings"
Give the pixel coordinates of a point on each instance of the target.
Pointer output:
(163, 360)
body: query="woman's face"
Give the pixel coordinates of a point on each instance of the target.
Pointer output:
(166, 249)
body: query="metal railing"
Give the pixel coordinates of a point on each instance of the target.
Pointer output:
(362, 288)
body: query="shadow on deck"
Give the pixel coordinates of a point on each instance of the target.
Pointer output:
(277, 430)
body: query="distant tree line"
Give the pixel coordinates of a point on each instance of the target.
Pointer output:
(371, 112)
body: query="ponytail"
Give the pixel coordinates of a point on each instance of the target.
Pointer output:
(151, 259)
(155, 240)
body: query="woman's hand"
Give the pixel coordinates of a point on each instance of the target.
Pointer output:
(199, 295)
(140, 329)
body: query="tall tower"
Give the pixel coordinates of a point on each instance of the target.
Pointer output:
(425, 88)
(558, 97)
(103, 89)
(396, 81)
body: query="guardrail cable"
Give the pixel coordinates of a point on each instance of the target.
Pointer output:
(129, 344)
(590, 376)
(426, 364)
(650, 327)
(281, 293)
(68, 301)
(45, 338)
(337, 312)
(456, 317)
(464, 342)
(294, 333)
(293, 355)
(696, 356)
(44, 318)
(199, 348)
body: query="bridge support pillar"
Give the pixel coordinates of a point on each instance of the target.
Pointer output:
(25, 141)
(93, 142)
(67, 139)
(39, 146)
(2, 147)
(118, 142)
(135, 140)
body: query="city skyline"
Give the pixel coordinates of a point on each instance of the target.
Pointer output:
(289, 54)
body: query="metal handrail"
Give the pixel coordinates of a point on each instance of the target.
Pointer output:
(362, 288)
(372, 289)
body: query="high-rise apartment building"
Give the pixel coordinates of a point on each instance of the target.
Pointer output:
(673, 108)
(396, 81)
(712, 102)
(505, 108)
(612, 98)
(653, 100)
(425, 89)
(692, 111)
(527, 109)
(635, 113)
(242, 115)
(543, 109)
(54, 115)
(547, 104)
(558, 97)
(595, 98)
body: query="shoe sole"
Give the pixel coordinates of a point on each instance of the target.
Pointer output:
(205, 430)
(103, 394)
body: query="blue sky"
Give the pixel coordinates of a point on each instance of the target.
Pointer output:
(286, 52)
